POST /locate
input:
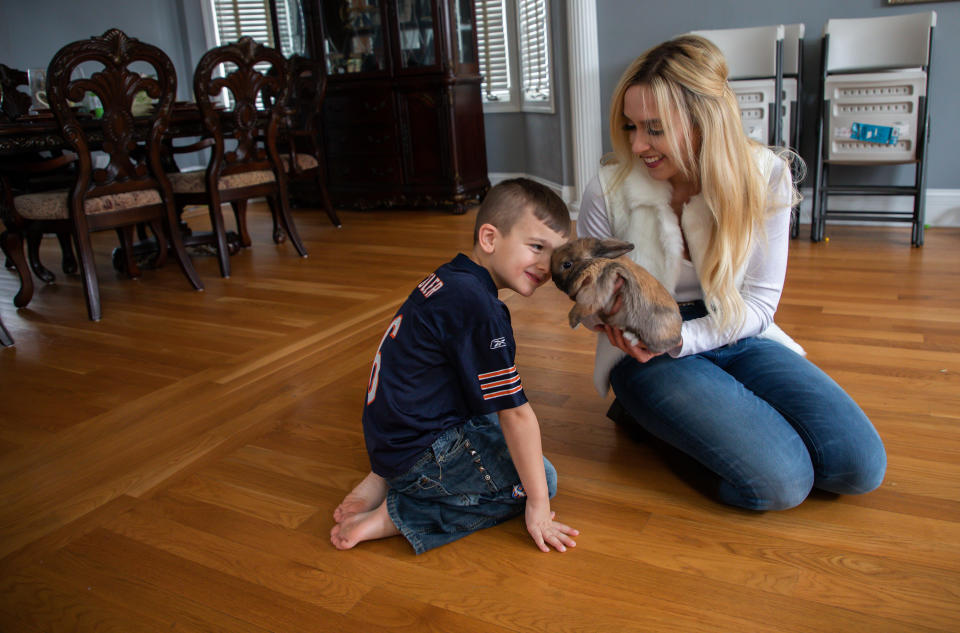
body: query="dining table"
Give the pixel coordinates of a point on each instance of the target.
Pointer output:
(39, 132)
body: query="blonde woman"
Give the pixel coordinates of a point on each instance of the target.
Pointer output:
(708, 210)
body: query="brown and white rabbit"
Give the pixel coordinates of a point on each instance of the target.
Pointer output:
(588, 270)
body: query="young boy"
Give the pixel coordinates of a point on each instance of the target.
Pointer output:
(443, 466)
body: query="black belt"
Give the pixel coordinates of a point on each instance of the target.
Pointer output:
(692, 309)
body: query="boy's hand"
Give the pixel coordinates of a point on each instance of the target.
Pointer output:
(546, 532)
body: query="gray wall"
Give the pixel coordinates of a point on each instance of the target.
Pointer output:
(32, 31)
(533, 143)
(628, 27)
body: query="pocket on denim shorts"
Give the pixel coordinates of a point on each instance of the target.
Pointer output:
(425, 477)
(487, 449)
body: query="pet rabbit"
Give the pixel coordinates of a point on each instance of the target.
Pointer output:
(588, 270)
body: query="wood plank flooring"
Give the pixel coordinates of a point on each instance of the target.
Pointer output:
(174, 467)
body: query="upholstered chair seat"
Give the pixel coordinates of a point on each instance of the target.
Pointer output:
(53, 205)
(304, 162)
(195, 181)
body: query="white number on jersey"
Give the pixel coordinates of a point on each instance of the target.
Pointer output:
(375, 372)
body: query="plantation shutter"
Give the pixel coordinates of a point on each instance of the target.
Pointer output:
(239, 18)
(534, 53)
(494, 54)
(284, 26)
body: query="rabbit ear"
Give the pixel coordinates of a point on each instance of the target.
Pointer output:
(611, 249)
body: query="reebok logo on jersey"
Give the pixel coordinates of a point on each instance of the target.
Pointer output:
(496, 384)
(430, 285)
(497, 343)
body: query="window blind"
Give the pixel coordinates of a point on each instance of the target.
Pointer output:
(534, 51)
(494, 52)
(239, 18)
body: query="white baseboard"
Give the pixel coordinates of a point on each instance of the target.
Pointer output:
(565, 192)
(943, 205)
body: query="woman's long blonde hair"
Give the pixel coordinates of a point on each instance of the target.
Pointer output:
(688, 78)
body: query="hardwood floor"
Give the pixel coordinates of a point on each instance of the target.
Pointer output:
(174, 467)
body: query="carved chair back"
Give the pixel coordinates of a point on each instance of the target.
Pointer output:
(132, 146)
(308, 88)
(251, 122)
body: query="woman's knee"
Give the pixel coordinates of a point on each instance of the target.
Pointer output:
(788, 493)
(778, 489)
(857, 469)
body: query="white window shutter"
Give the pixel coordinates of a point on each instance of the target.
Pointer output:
(239, 18)
(534, 44)
(491, 20)
(250, 18)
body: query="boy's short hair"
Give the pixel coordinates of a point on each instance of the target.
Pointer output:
(505, 203)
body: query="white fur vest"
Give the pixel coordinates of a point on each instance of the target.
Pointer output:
(639, 211)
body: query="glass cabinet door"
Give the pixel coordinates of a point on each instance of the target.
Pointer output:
(355, 36)
(463, 32)
(418, 40)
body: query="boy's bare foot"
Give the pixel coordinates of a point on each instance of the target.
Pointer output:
(363, 526)
(367, 495)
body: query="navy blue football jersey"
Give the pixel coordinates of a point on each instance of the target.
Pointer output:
(447, 355)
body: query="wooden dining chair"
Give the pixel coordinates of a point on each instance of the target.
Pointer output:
(14, 106)
(301, 147)
(242, 134)
(131, 188)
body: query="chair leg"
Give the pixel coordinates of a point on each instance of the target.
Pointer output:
(88, 272)
(125, 234)
(220, 234)
(12, 244)
(34, 236)
(278, 232)
(918, 219)
(171, 231)
(5, 339)
(161, 236)
(325, 200)
(240, 213)
(68, 263)
(286, 220)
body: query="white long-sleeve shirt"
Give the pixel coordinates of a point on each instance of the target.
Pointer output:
(764, 274)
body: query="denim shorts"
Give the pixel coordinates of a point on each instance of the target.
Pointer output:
(464, 482)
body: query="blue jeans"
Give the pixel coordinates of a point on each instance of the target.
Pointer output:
(464, 482)
(765, 421)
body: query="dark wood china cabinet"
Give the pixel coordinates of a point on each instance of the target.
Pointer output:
(403, 116)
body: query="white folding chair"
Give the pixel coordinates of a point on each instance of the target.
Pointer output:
(792, 68)
(874, 95)
(765, 64)
(754, 59)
